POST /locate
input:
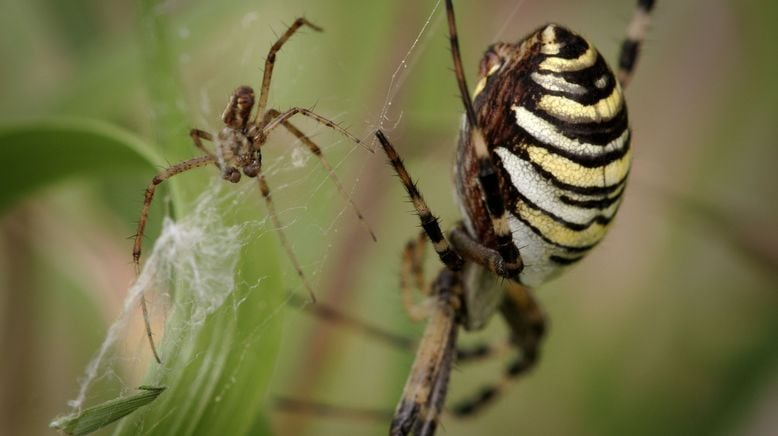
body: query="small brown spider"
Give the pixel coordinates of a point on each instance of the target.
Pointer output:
(238, 149)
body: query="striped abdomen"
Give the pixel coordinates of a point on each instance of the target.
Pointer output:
(555, 120)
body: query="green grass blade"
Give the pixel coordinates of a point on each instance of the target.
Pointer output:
(44, 152)
(216, 375)
(97, 417)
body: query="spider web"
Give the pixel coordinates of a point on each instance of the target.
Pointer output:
(200, 251)
(197, 251)
(401, 73)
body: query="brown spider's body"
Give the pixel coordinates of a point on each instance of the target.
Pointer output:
(239, 141)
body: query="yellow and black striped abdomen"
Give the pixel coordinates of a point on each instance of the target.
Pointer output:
(555, 120)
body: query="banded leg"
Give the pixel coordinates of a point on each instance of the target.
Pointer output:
(165, 174)
(316, 151)
(479, 352)
(636, 33)
(429, 222)
(271, 209)
(270, 61)
(425, 389)
(487, 173)
(527, 324)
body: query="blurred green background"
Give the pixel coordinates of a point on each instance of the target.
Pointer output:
(670, 327)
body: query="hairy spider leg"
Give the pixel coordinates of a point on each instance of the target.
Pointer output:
(316, 151)
(165, 174)
(272, 124)
(271, 60)
(271, 208)
(429, 222)
(198, 136)
(283, 117)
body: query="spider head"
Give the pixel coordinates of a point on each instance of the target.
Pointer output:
(238, 110)
(495, 57)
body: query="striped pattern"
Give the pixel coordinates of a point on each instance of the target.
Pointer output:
(556, 124)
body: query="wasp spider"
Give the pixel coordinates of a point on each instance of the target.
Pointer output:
(543, 156)
(238, 148)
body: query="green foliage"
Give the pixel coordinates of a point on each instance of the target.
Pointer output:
(46, 152)
(216, 378)
(98, 416)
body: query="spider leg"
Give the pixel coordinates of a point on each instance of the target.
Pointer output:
(198, 136)
(271, 60)
(308, 407)
(527, 323)
(327, 313)
(413, 268)
(418, 263)
(330, 314)
(487, 173)
(271, 208)
(424, 393)
(483, 351)
(165, 174)
(429, 222)
(285, 116)
(636, 33)
(412, 271)
(228, 173)
(316, 151)
(476, 252)
(429, 422)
